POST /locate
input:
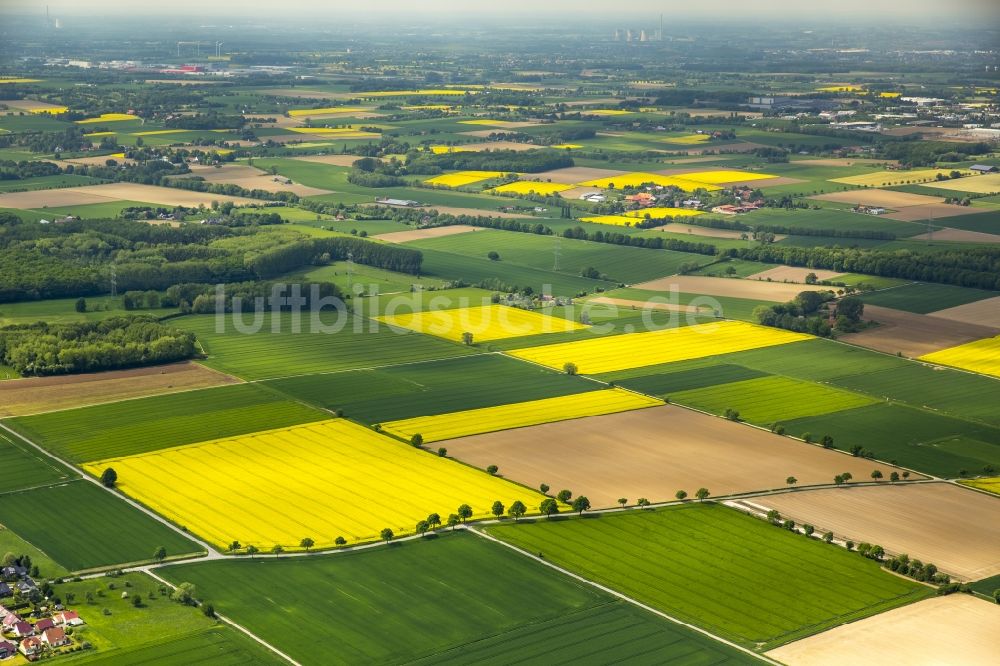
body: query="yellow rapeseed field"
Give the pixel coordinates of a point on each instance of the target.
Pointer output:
(690, 139)
(490, 123)
(979, 184)
(335, 132)
(636, 350)
(12, 79)
(991, 484)
(460, 178)
(427, 107)
(567, 146)
(92, 134)
(440, 150)
(325, 111)
(108, 118)
(605, 112)
(614, 220)
(840, 87)
(978, 356)
(485, 322)
(54, 110)
(527, 186)
(655, 212)
(321, 480)
(638, 178)
(886, 178)
(720, 176)
(519, 414)
(407, 93)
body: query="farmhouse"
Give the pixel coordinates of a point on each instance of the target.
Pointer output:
(68, 619)
(22, 628)
(983, 168)
(401, 203)
(44, 624)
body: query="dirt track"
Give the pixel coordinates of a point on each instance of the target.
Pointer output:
(41, 394)
(914, 334)
(755, 289)
(955, 528)
(943, 631)
(653, 453)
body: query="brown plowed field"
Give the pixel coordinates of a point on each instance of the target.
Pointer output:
(884, 198)
(760, 290)
(932, 211)
(957, 630)
(914, 334)
(653, 453)
(955, 528)
(421, 234)
(19, 397)
(985, 312)
(793, 274)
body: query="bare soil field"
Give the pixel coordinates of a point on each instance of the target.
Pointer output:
(844, 162)
(496, 145)
(875, 197)
(421, 234)
(958, 235)
(930, 211)
(955, 528)
(653, 453)
(708, 232)
(19, 397)
(768, 182)
(93, 194)
(985, 312)
(98, 160)
(578, 192)
(643, 305)
(915, 334)
(760, 290)
(334, 160)
(253, 179)
(957, 629)
(576, 174)
(793, 274)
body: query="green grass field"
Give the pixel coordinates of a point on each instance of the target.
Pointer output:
(665, 384)
(765, 400)
(25, 467)
(81, 526)
(915, 438)
(266, 354)
(926, 297)
(59, 310)
(214, 646)
(435, 387)
(619, 262)
(47, 182)
(731, 574)
(445, 593)
(146, 424)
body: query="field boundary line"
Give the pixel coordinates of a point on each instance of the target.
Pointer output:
(621, 596)
(210, 552)
(239, 627)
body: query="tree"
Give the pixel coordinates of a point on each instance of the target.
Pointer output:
(340, 541)
(517, 509)
(828, 537)
(809, 301)
(564, 496)
(808, 529)
(80, 305)
(569, 368)
(791, 480)
(417, 439)
(497, 509)
(252, 550)
(681, 495)
(422, 527)
(548, 507)
(773, 516)
(851, 307)
(434, 520)
(839, 479)
(827, 442)
(453, 520)
(184, 593)
(467, 338)
(465, 512)
(996, 595)
(811, 278)
(442, 452)
(160, 554)
(894, 477)
(581, 504)
(277, 550)
(307, 543)
(847, 476)
(492, 470)
(493, 255)
(544, 488)
(876, 474)
(702, 494)
(623, 501)
(234, 546)
(642, 502)
(109, 477)
(386, 535)
(207, 609)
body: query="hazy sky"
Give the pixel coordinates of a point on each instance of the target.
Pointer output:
(907, 11)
